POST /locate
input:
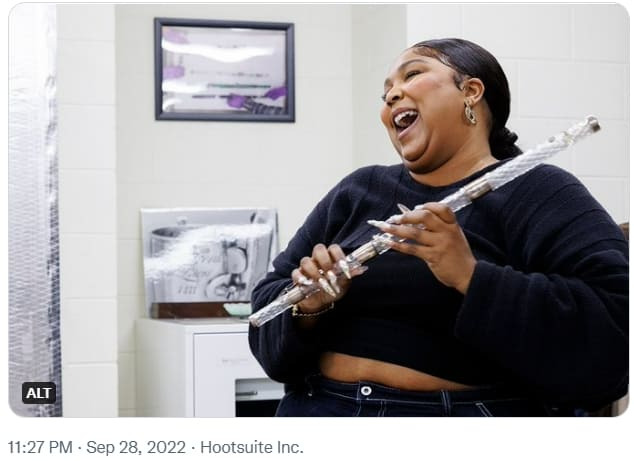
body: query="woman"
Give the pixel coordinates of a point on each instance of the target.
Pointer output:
(517, 305)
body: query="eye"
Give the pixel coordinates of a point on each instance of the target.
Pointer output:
(383, 97)
(412, 73)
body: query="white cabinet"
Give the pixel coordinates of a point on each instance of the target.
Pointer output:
(197, 367)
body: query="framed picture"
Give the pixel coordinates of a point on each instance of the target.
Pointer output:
(224, 70)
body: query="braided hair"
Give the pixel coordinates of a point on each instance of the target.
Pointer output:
(471, 60)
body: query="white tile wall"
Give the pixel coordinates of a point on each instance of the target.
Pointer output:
(85, 22)
(88, 137)
(378, 37)
(337, 32)
(527, 31)
(130, 270)
(127, 381)
(130, 308)
(86, 265)
(572, 89)
(433, 21)
(602, 153)
(87, 209)
(90, 390)
(87, 326)
(593, 41)
(87, 199)
(86, 72)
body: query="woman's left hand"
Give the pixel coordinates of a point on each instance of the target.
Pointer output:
(440, 243)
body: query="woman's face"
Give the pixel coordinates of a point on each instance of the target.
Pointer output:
(423, 111)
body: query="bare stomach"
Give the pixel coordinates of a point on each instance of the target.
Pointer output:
(350, 369)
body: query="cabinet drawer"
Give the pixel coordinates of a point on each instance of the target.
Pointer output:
(220, 359)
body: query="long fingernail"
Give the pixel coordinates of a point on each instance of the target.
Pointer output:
(380, 224)
(326, 287)
(345, 268)
(304, 281)
(394, 219)
(332, 278)
(403, 208)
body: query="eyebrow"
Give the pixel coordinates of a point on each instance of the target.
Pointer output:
(402, 66)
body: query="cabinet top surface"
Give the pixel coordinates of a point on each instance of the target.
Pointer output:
(218, 324)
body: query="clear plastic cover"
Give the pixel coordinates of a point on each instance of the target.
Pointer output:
(194, 255)
(34, 299)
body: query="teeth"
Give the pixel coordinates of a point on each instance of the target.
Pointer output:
(402, 115)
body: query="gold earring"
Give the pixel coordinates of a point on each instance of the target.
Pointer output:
(469, 113)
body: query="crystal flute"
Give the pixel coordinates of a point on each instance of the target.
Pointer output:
(490, 181)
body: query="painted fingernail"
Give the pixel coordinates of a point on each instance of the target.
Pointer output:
(304, 281)
(380, 224)
(326, 287)
(394, 219)
(345, 268)
(332, 278)
(403, 208)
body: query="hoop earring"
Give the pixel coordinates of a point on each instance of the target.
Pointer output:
(470, 114)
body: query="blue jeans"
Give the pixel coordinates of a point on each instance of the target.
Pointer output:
(324, 397)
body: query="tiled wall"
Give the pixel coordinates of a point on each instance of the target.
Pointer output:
(87, 209)
(378, 36)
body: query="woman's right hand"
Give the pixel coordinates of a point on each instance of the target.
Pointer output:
(319, 269)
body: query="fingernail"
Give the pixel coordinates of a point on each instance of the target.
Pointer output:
(326, 287)
(394, 219)
(380, 224)
(332, 278)
(345, 268)
(403, 208)
(304, 281)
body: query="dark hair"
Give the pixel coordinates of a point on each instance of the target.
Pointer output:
(471, 60)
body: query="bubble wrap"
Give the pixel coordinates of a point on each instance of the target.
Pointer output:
(34, 308)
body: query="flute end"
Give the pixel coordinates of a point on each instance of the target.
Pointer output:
(593, 123)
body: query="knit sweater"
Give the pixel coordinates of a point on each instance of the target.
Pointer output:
(546, 309)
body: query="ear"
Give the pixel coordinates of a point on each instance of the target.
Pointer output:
(473, 90)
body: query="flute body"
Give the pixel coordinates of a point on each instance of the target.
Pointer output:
(463, 197)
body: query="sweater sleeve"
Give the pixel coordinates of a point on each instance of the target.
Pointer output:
(285, 351)
(557, 316)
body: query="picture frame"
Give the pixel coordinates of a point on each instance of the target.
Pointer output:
(220, 70)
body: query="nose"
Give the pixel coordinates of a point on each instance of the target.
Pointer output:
(393, 95)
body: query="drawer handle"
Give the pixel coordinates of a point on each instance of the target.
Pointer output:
(246, 393)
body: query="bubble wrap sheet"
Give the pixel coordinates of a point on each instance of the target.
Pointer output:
(34, 320)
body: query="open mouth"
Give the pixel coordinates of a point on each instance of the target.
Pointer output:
(404, 120)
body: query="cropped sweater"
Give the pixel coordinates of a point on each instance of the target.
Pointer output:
(546, 310)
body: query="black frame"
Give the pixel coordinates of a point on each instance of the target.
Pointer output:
(229, 114)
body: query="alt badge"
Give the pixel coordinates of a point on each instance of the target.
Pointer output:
(38, 392)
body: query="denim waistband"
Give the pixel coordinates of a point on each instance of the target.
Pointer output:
(367, 390)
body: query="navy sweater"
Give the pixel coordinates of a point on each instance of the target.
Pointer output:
(546, 310)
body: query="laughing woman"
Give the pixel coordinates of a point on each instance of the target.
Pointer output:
(517, 306)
